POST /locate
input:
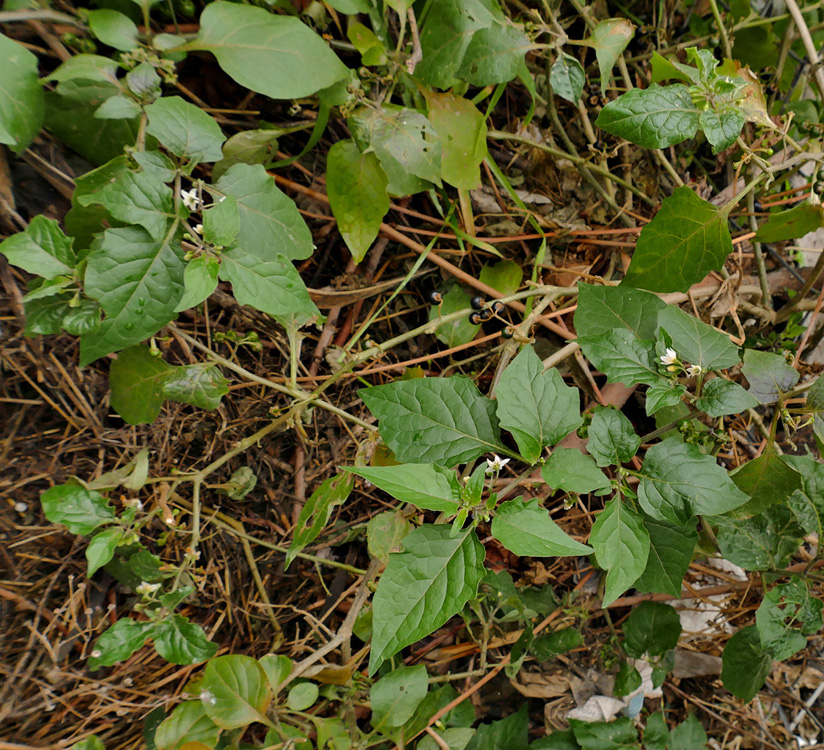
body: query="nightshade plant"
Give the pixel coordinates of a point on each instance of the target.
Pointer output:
(174, 207)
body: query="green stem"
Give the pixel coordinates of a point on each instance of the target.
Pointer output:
(722, 30)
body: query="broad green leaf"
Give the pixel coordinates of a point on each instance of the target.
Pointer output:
(572, 471)
(201, 385)
(689, 735)
(558, 740)
(270, 223)
(745, 664)
(763, 542)
(82, 319)
(526, 529)
(113, 28)
(188, 723)
(101, 549)
(136, 198)
(428, 486)
(135, 380)
(356, 186)
(602, 308)
(670, 555)
(317, 510)
(148, 567)
(505, 276)
(221, 221)
(622, 356)
(664, 394)
(656, 117)
(21, 96)
(621, 545)
(627, 680)
(612, 439)
(440, 420)
(720, 397)
(686, 239)
(696, 342)
(90, 743)
(248, 147)
(395, 697)
(235, 691)
(423, 587)
(652, 628)
(536, 406)
(462, 132)
(656, 734)
(138, 281)
(86, 67)
(768, 374)
(41, 249)
(185, 129)
(199, 281)
(679, 482)
(271, 286)
(182, 642)
(78, 509)
(367, 43)
(302, 696)
(768, 480)
(45, 316)
(459, 331)
(620, 734)
(567, 78)
(792, 223)
(722, 126)
(277, 668)
(456, 738)
(663, 69)
(510, 733)
(808, 503)
(609, 39)
(494, 55)
(85, 222)
(118, 108)
(385, 533)
(120, 641)
(275, 55)
(545, 647)
(784, 606)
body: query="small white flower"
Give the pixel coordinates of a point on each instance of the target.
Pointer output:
(496, 463)
(694, 370)
(145, 588)
(194, 554)
(21, 507)
(190, 199)
(133, 502)
(670, 358)
(198, 228)
(96, 654)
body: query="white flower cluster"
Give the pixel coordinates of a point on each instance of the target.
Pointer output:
(670, 360)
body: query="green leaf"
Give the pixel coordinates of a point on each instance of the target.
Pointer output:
(120, 641)
(90, 743)
(185, 129)
(505, 276)
(456, 738)
(656, 117)
(356, 186)
(117, 108)
(275, 55)
(248, 147)
(385, 532)
(82, 319)
(271, 286)
(494, 55)
(235, 691)
(182, 642)
(395, 697)
(302, 696)
(572, 471)
(791, 224)
(526, 529)
(317, 510)
(45, 316)
(602, 308)
(428, 486)
(188, 723)
(621, 545)
(609, 39)
(763, 542)
(138, 281)
(745, 664)
(201, 385)
(199, 281)
(277, 668)
(620, 734)
(768, 374)
(784, 606)
(720, 397)
(136, 198)
(79, 510)
(696, 342)
(627, 680)
(567, 78)
(670, 555)
(686, 239)
(462, 132)
(612, 439)
(652, 628)
(41, 249)
(423, 587)
(536, 406)
(808, 503)
(113, 28)
(21, 96)
(440, 420)
(663, 69)
(622, 356)
(510, 733)
(722, 127)
(679, 482)
(367, 43)
(85, 222)
(664, 394)
(270, 223)
(221, 222)
(689, 735)
(101, 549)
(135, 379)
(459, 331)
(768, 480)
(656, 734)
(563, 740)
